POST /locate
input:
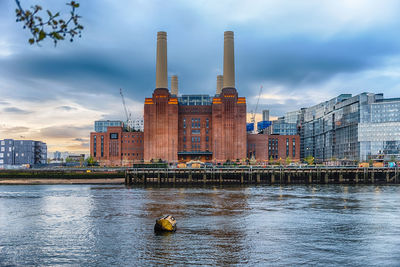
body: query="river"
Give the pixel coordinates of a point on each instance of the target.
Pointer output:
(100, 225)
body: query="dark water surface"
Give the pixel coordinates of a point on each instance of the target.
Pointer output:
(94, 225)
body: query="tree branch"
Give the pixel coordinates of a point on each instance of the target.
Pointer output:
(53, 27)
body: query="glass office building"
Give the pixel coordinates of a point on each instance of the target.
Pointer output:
(379, 130)
(101, 126)
(354, 128)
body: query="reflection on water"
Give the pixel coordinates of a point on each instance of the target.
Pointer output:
(272, 225)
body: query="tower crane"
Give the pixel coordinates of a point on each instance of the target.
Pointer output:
(127, 113)
(253, 115)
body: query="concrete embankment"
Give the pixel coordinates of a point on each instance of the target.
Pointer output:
(65, 176)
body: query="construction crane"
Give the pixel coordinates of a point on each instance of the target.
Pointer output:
(253, 115)
(129, 121)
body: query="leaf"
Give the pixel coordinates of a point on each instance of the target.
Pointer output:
(49, 13)
(42, 35)
(57, 36)
(31, 41)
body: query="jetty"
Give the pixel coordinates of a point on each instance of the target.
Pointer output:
(272, 175)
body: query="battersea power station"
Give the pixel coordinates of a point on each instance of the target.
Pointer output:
(180, 128)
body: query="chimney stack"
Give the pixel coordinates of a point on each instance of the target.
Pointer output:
(161, 65)
(229, 61)
(174, 85)
(220, 81)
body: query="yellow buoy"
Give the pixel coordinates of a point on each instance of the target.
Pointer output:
(166, 223)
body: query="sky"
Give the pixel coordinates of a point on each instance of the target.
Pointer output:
(302, 53)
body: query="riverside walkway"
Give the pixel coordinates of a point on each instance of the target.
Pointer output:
(317, 175)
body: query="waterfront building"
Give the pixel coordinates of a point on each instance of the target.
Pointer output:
(273, 148)
(20, 152)
(116, 146)
(351, 128)
(209, 128)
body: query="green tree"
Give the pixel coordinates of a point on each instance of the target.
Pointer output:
(309, 160)
(54, 26)
(288, 161)
(90, 161)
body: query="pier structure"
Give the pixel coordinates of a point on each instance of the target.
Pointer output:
(283, 176)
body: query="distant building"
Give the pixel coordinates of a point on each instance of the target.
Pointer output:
(353, 128)
(265, 115)
(19, 152)
(138, 125)
(57, 155)
(75, 158)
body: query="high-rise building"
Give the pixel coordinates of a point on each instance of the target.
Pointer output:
(19, 152)
(265, 115)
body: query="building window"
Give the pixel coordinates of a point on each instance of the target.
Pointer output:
(294, 148)
(206, 138)
(184, 139)
(184, 123)
(102, 146)
(195, 131)
(113, 135)
(287, 147)
(94, 145)
(207, 123)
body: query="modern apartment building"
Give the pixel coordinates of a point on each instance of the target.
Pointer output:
(19, 152)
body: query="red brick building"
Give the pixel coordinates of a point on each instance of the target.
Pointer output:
(209, 128)
(276, 148)
(192, 127)
(117, 147)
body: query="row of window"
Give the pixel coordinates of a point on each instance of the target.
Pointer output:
(128, 154)
(133, 141)
(196, 123)
(196, 139)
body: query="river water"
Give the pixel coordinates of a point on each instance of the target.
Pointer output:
(99, 225)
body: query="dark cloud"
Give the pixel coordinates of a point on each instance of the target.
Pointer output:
(81, 139)
(66, 108)
(65, 131)
(4, 103)
(116, 51)
(16, 110)
(14, 130)
(302, 61)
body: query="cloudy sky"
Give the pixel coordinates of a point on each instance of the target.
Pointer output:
(302, 52)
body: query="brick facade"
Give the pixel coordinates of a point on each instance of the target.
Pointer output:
(264, 148)
(175, 132)
(117, 147)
